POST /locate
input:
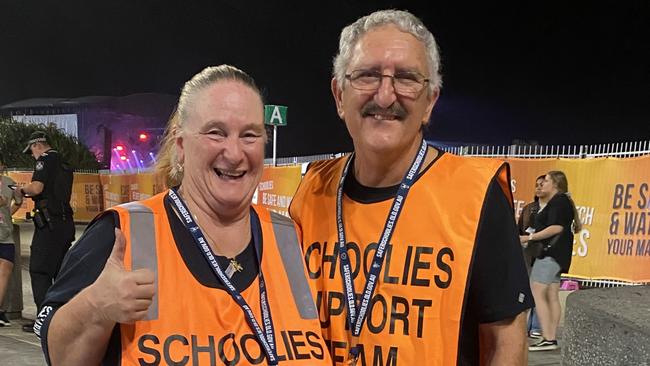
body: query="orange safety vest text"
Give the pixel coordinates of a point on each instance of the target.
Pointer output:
(415, 313)
(190, 324)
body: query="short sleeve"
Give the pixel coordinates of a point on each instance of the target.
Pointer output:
(43, 169)
(559, 211)
(499, 287)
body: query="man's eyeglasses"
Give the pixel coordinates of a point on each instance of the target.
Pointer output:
(407, 82)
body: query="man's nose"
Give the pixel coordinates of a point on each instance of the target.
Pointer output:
(385, 95)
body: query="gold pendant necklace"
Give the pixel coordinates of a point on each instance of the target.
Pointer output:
(233, 267)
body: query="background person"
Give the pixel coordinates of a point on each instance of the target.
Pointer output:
(54, 230)
(526, 225)
(438, 269)
(193, 275)
(10, 202)
(554, 227)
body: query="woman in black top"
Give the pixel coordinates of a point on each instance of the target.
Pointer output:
(526, 223)
(554, 226)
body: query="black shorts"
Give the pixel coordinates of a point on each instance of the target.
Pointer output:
(8, 252)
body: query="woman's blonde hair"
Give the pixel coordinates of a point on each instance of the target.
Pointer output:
(168, 165)
(562, 185)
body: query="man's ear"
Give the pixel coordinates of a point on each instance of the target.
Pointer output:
(338, 97)
(433, 98)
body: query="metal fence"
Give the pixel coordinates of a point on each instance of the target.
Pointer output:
(600, 283)
(84, 171)
(295, 160)
(619, 150)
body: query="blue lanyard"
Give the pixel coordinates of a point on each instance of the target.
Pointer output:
(265, 336)
(356, 320)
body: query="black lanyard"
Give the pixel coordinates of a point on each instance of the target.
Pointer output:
(265, 336)
(356, 320)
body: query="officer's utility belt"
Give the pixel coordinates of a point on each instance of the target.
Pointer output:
(42, 218)
(41, 215)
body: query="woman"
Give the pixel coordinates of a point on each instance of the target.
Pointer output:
(526, 224)
(10, 201)
(555, 224)
(193, 275)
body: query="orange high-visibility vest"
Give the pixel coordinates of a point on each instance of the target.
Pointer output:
(415, 312)
(191, 324)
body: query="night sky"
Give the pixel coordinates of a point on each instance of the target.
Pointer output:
(558, 72)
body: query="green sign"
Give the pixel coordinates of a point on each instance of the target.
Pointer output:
(275, 115)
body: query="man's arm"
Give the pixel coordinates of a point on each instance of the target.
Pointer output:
(503, 342)
(499, 287)
(32, 189)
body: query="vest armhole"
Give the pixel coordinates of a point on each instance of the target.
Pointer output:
(504, 179)
(110, 211)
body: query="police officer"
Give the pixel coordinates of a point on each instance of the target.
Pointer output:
(54, 229)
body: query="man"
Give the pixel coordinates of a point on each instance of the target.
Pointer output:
(10, 202)
(408, 280)
(54, 230)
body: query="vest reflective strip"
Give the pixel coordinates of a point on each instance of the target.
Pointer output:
(289, 248)
(143, 247)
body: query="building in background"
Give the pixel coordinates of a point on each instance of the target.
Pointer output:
(123, 132)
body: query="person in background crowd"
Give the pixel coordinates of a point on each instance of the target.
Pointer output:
(193, 275)
(417, 279)
(54, 230)
(10, 202)
(554, 226)
(531, 250)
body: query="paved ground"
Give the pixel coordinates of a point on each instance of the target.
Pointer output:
(18, 348)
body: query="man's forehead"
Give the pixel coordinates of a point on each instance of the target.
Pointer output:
(389, 45)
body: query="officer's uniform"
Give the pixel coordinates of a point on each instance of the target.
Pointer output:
(54, 227)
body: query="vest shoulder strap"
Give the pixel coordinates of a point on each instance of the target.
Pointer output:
(288, 243)
(141, 222)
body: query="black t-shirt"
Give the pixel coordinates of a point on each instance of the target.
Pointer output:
(558, 211)
(56, 176)
(85, 261)
(498, 272)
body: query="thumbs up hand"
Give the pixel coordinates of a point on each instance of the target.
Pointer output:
(119, 295)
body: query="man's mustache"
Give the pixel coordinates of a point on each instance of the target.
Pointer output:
(371, 109)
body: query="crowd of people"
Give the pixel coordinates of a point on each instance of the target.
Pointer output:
(398, 252)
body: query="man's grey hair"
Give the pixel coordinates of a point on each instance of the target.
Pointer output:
(405, 22)
(204, 79)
